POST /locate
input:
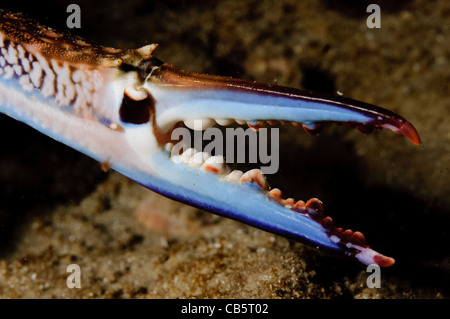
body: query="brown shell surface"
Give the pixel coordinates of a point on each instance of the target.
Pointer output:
(61, 65)
(62, 46)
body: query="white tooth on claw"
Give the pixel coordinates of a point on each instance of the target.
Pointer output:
(215, 164)
(225, 122)
(275, 192)
(234, 175)
(241, 122)
(255, 176)
(136, 93)
(176, 158)
(187, 154)
(198, 159)
(199, 124)
(168, 147)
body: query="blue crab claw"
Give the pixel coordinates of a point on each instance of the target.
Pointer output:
(122, 106)
(177, 96)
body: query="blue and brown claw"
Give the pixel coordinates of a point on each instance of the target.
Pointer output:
(180, 96)
(121, 106)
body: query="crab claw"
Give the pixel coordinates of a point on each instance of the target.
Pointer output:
(121, 106)
(179, 96)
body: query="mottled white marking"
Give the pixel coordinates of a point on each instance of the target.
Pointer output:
(26, 65)
(9, 72)
(52, 78)
(78, 76)
(3, 52)
(11, 56)
(97, 79)
(36, 74)
(26, 83)
(20, 52)
(48, 86)
(17, 69)
(65, 89)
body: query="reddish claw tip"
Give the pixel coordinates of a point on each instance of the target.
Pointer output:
(406, 129)
(383, 261)
(368, 256)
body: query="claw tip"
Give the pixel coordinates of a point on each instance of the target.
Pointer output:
(383, 261)
(368, 256)
(407, 130)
